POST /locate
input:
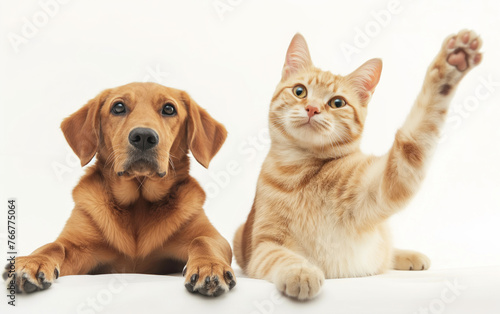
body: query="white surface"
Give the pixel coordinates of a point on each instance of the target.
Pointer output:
(473, 290)
(231, 65)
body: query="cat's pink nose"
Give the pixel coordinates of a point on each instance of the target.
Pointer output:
(311, 110)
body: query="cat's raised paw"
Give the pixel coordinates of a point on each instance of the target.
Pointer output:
(300, 281)
(463, 50)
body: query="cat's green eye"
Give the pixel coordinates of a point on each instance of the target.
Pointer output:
(300, 91)
(337, 102)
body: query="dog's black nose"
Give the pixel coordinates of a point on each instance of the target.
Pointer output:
(143, 138)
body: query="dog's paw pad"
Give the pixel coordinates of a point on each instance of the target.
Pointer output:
(31, 273)
(209, 279)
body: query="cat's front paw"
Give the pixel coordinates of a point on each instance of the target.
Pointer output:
(300, 281)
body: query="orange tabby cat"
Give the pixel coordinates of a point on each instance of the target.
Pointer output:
(321, 205)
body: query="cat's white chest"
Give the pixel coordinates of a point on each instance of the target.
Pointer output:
(337, 251)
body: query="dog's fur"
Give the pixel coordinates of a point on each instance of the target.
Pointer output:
(137, 211)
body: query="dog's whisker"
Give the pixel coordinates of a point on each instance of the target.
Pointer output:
(172, 165)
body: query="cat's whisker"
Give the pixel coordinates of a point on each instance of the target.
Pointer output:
(281, 130)
(334, 139)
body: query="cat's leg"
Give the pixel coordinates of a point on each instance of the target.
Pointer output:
(390, 181)
(409, 260)
(238, 247)
(292, 273)
(415, 141)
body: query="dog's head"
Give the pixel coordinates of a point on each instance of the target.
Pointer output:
(136, 127)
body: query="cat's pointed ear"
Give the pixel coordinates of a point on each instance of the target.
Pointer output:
(365, 78)
(297, 57)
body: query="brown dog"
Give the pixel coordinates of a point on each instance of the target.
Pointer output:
(137, 209)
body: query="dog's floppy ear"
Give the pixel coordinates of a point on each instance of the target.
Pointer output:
(82, 129)
(205, 135)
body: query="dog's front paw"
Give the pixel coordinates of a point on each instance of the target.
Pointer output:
(300, 281)
(210, 278)
(30, 274)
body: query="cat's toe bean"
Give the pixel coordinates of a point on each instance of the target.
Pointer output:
(465, 37)
(451, 42)
(478, 58)
(474, 44)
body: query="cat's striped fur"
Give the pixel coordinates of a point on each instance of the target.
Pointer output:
(321, 205)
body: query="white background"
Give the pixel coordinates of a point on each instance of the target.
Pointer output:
(230, 62)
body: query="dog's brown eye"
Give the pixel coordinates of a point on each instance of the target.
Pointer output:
(337, 102)
(118, 108)
(300, 91)
(168, 110)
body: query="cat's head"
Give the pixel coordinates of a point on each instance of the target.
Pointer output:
(317, 110)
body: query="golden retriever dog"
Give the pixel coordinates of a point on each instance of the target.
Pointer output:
(137, 209)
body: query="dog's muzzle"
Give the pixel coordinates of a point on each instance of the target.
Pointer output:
(142, 158)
